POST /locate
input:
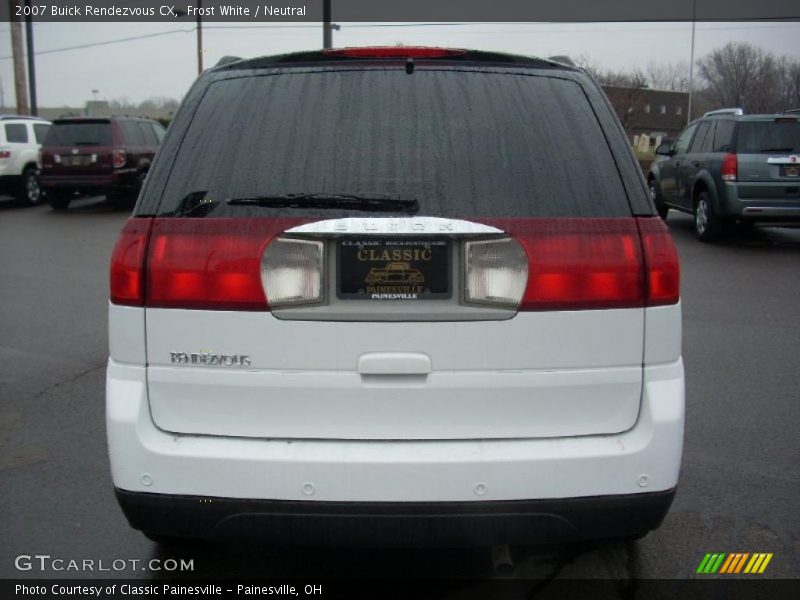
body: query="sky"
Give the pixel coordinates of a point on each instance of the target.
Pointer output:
(165, 64)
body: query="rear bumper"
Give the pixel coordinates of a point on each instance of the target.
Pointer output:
(117, 179)
(773, 202)
(530, 484)
(412, 524)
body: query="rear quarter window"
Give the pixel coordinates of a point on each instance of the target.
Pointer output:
(131, 134)
(16, 133)
(147, 134)
(723, 136)
(702, 139)
(464, 143)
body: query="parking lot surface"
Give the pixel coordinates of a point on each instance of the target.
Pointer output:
(739, 483)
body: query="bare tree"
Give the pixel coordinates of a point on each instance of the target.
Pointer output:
(159, 103)
(789, 83)
(673, 77)
(742, 75)
(121, 103)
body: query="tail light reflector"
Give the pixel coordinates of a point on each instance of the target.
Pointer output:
(5, 153)
(661, 263)
(206, 264)
(576, 264)
(730, 167)
(292, 271)
(120, 157)
(128, 263)
(496, 272)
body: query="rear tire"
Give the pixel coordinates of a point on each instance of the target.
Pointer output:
(655, 196)
(59, 200)
(707, 225)
(29, 190)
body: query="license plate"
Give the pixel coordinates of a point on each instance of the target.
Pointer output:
(393, 269)
(791, 171)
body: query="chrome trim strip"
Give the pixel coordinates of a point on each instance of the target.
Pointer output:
(394, 226)
(792, 159)
(772, 211)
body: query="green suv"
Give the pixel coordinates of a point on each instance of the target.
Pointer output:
(730, 167)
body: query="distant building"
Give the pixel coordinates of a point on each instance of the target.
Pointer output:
(646, 111)
(98, 108)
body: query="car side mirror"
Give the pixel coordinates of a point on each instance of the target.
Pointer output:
(665, 149)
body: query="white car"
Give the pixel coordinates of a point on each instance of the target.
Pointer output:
(20, 140)
(526, 385)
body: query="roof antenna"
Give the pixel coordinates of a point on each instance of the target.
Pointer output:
(409, 65)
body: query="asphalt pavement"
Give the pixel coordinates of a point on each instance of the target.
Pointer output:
(739, 484)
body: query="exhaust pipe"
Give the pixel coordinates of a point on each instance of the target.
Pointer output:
(502, 563)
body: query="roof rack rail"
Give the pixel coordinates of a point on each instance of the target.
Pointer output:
(26, 117)
(226, 60)
(564, 60)
(725, 111)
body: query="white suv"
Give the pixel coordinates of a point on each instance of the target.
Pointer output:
(20, 140)
(415, 296)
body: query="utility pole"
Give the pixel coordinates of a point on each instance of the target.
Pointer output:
(327, 31)
(20, 89)
(691, 66)
(199, 38)
(31, 62)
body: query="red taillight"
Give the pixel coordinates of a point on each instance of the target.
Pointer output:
(578, 264)
(120, 158)
(127, 263)
(395, 52)
(209, 263)
(730, 167)
(5, 153)
(663, 285)
(581, 264)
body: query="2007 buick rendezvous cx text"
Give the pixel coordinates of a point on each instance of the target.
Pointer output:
(459, 309)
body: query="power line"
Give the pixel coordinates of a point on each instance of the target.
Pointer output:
(158, 34)
(395, 25)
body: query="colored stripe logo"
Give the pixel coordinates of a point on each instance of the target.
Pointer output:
(734, 562)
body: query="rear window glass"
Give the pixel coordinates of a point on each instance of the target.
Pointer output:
(768, 136)
(16, 133)
(79, 134)
(462, 143)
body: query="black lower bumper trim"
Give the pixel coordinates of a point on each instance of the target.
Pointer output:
(404, 524)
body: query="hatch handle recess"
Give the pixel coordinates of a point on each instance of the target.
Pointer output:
(394, 363)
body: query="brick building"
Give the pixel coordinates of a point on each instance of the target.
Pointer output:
(642, 110)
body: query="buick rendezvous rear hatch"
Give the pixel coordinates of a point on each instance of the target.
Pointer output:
(421, 249)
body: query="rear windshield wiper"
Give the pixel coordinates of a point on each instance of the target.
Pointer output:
(332, 201)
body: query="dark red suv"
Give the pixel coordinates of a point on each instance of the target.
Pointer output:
(97, 155)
